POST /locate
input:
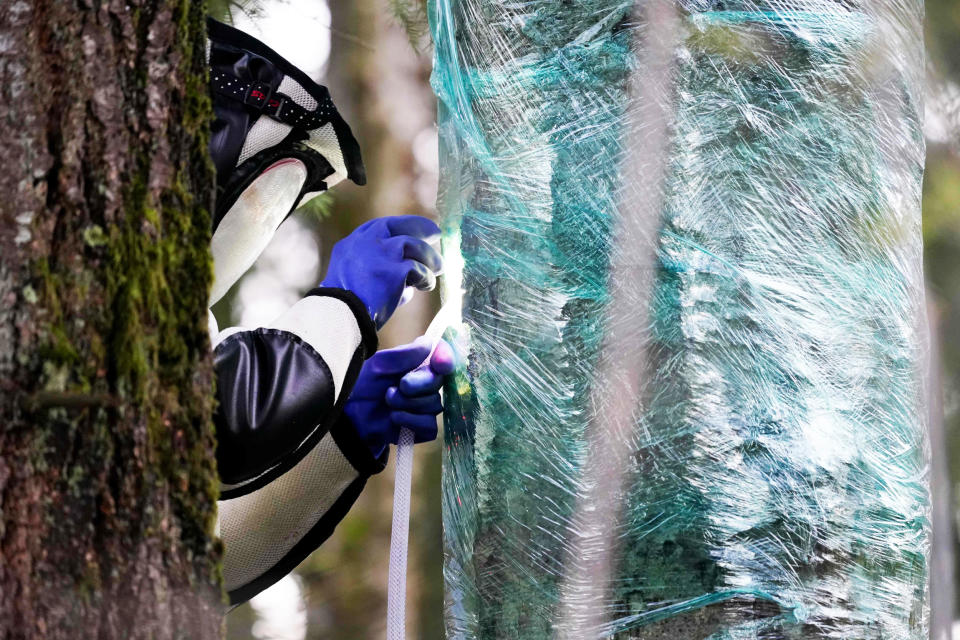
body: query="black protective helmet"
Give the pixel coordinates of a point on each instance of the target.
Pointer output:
(267, 110)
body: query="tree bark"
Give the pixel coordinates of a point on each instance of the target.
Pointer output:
(107, 474)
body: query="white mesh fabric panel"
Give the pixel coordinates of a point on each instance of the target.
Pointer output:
(249, 225)
(325, 142)
(329, 326)
(260, 528)
(290, 87)
(265, 132)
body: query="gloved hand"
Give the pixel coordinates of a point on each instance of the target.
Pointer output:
(394, 391)
(383, 257)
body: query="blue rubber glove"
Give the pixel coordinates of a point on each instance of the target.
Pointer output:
(394, 391)
(383, 257)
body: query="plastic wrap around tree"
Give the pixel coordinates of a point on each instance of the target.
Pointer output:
(685, 238)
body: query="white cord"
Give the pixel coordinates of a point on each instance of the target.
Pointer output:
(397, 581)
(397, 578)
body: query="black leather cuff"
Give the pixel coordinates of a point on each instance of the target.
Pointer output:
(368, 330)
(355, 450)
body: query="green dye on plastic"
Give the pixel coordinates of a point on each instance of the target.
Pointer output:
(777, 488)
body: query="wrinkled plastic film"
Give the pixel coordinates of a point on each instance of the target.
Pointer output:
(685, 239)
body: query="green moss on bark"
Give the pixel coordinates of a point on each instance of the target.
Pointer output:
(106, 522)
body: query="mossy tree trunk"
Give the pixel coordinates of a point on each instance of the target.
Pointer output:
(107, 474)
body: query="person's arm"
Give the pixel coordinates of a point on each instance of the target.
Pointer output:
(281, 387)
(268, 532)
(290, 466)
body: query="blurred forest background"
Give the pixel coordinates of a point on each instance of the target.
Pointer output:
(374, 55)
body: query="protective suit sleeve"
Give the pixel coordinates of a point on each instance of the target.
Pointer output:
(268, 532)
(281, 387)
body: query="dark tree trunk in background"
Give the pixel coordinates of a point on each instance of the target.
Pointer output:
(382, 87)
(107, 475)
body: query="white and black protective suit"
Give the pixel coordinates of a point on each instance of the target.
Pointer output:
(290, 466)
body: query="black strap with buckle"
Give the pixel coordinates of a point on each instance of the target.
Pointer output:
(257, 94)
(276, 105)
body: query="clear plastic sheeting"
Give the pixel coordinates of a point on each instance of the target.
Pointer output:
(685, 237)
